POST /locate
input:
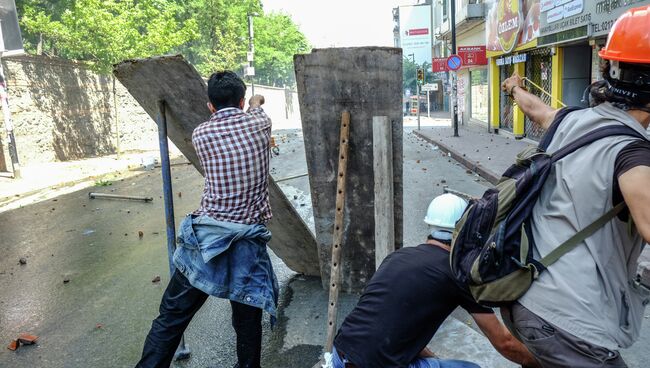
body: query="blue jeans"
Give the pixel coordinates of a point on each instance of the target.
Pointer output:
(417, 363)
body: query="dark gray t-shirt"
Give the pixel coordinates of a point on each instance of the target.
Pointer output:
(402, 307)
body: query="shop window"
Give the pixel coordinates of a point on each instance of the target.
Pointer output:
(538, 70)
(505, 104)
(479, 94)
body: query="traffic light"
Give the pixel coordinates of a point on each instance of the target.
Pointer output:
(420, 76)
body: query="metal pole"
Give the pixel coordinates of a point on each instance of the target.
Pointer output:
(251, 48)
(4, 96)
(418, 104)
(117, 121)
(182, 352)
(428, 105)
(453, 51)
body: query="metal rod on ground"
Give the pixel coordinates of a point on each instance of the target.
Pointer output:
(453, 51)
(291, 177)
(93, 195)
(463, 195)
(335, 271)
(182, 352)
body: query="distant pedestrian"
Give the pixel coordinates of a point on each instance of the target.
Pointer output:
(222, 245)
(587, 305)
(407, 300)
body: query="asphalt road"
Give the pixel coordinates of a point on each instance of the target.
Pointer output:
(100, 316)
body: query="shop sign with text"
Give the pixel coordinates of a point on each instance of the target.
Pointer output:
(472, 55)
(439, 65)
(513, 59)
(562, 15)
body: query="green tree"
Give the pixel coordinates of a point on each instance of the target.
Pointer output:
(277, 39)
(103, 32)
(409, 80)
(211, 34)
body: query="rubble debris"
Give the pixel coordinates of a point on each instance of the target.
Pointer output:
(156, 279)
(23, 339)
(99, 326)
(140, 234)
(27, 339)
(22, 261)
(66, 280)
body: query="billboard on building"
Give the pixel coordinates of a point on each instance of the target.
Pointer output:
(11, 42)
(511, 24)
(584, 18)
(415, 33)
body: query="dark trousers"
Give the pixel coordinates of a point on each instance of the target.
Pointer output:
(179, 304)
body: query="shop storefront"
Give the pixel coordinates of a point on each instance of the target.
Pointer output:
(576, 30)
(512, 28)
(472, 84)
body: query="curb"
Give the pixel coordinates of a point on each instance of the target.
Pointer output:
(484, 172)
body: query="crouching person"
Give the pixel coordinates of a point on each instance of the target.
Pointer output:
(407, 300)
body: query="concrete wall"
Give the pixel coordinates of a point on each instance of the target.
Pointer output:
(63, 111)
(367, 82)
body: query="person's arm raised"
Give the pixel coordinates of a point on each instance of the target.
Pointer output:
(502, 340)
(531, 105)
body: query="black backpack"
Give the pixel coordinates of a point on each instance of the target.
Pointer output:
(491, 250)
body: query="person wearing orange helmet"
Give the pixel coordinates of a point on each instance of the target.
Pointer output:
(589, 304)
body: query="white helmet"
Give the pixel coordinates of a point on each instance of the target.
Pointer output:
(443, 212)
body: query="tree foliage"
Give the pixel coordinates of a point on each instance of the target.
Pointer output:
(211, 34)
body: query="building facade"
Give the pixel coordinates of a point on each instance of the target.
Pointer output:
(554, 44)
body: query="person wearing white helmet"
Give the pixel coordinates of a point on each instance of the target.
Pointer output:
(442, 214)
(408, 298)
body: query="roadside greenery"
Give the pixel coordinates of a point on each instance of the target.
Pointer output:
(211, 34)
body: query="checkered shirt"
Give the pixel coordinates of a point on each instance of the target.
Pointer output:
(233, 147)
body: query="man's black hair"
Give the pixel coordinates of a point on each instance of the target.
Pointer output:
(225, 89)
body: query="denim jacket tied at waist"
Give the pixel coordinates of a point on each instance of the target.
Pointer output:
(228, 260)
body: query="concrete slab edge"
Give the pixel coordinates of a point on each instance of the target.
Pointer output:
(484, 172)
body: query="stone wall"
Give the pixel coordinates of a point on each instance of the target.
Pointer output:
(64, 111)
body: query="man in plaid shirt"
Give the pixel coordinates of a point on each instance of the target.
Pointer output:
(222, 245)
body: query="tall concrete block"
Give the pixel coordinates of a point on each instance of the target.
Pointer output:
(367, 82)
(172, 79)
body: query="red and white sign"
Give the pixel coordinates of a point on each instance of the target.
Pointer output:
(439, 65)
(472, 55)
(417, 32)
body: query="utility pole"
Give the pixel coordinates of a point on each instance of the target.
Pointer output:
(251, 54)
(454, 97)
(13, 152)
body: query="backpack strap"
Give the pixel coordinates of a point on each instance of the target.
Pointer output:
(594, 135)
(581, 235)
(550, 133)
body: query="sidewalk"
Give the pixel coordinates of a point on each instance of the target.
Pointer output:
(41, 181)
(485, 153)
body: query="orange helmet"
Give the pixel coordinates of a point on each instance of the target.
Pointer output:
(627, 56)
(629, 38)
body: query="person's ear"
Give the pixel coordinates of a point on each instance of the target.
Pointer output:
(242, 103)
(211, 108)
